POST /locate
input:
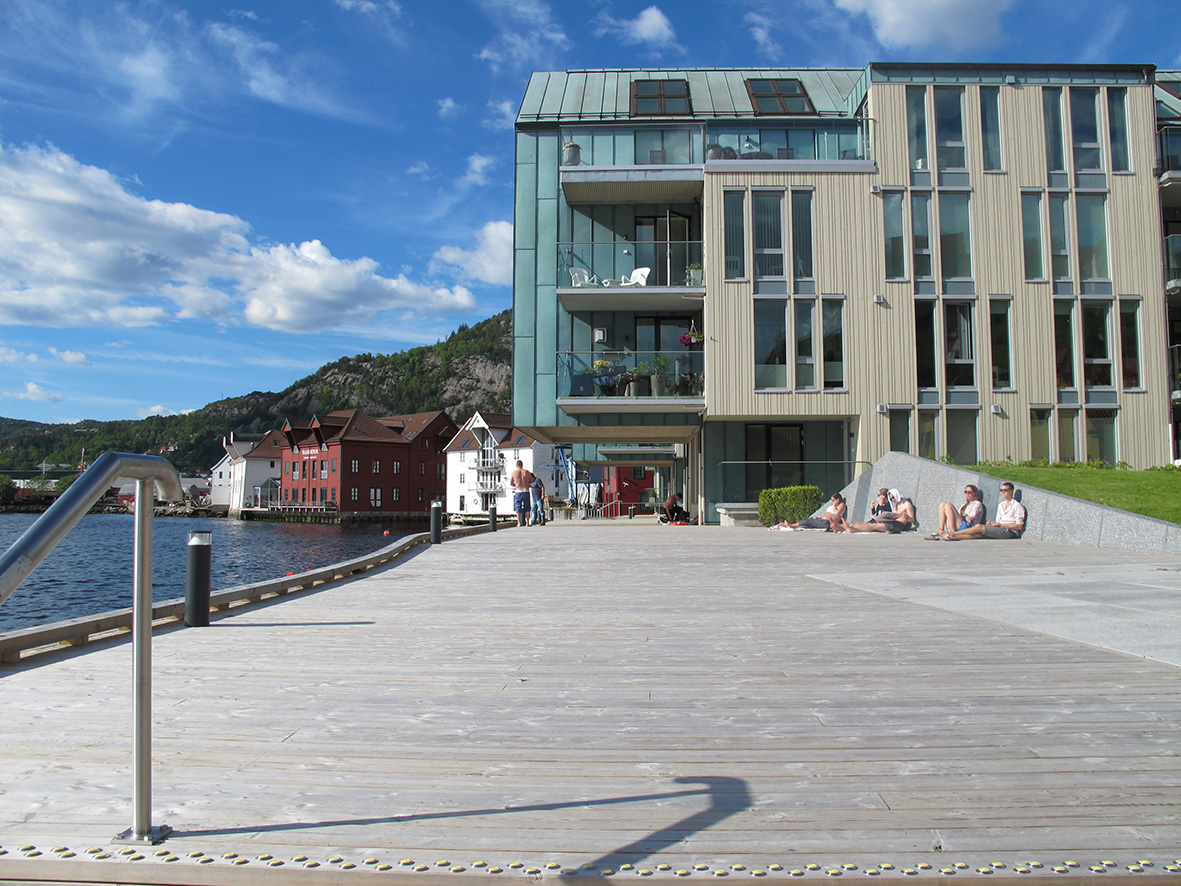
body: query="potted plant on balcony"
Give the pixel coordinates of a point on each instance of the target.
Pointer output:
(571, 154)
(693, 273)
(641, 385)
(662, 370)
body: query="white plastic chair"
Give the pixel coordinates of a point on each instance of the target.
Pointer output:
(639, 277)
(582, 277)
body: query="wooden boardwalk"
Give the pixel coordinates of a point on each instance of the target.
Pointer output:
(580, 698)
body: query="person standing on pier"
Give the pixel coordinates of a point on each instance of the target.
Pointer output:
(537, 490)
(520, 480)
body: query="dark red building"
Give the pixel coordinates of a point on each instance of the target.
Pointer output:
(352, 463)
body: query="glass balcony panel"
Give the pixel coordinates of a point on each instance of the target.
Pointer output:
(845, 141)
(1172, 258)
(616, 146)
(1170, 148)
(668, 374)
(582, 264)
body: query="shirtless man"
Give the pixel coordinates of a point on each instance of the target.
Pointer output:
(899, 518)
(520, 480)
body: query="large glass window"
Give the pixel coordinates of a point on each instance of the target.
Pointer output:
(1129, 333)
(801, 234)
(1039, 434)
(894, 227)
(1064, 343)
(916, 126)
(1084, 128)
(1031, 234)
(949, 127)
(1092, 236)
(1059, 237)
(990, 126)
(1101, 436)
(768, 234)
(805, 333)
(1097, 343)
(833, 319)
(920, 206)
(900, 430)
(770, 316)
(961, 436)
(1052, 114)
(998, 334)
(928, 433)
(924, 342)
(659, 146)
(1117, 127)
(1067, 435)
(955, 237)
(733, 217)
(959, 348)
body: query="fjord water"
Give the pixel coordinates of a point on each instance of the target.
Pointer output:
(90, 571)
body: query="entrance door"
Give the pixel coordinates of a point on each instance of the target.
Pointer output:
(775, 457)
(662, 244)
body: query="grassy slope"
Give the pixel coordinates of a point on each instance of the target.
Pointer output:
(1151, 493)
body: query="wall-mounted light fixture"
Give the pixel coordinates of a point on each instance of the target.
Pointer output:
(882, 408)
(879, 299)
(875, 189)
(600, 335)
(995, 409)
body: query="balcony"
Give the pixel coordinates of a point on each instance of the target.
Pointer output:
(1170, 154)
(611, 164)
(603, 276)
(489, 464)
(1173, 264)
(631, 381)
(811, 146)
(489, 485)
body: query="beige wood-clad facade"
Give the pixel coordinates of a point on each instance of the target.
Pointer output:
(879, 338)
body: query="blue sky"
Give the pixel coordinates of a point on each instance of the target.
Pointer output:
(199, 200)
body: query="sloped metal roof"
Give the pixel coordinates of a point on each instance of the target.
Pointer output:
(573, 96)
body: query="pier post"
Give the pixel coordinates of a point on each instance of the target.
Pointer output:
(436, 522)
(492, 516)
(198, 578)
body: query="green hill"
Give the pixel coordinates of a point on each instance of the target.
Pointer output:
(469, 371)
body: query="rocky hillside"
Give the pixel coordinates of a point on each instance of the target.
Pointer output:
(469, 371)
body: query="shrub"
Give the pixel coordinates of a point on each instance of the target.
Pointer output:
(791, 503)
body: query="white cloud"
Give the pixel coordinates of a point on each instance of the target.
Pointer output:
(477, 167)
(960, 24)
(447, 107)
(33, 391)
(760, 30)
(161, 410)
(75, 357)
(504, 115)
(8, 355)
(527, 35)
(650, 28)
(304, 289)
(421, 170)
(78, 249)
(492, 259)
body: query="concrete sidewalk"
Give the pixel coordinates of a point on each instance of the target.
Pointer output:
(581, 698)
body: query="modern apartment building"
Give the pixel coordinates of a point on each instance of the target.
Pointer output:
(755, 278)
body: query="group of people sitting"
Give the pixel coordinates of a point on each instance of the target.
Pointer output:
(894, 512)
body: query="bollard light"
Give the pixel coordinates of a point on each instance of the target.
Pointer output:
(198, 576)
(436, 522)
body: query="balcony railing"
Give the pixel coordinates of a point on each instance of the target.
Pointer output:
(631, 374)
(669, 263)
(625, 146)
(845, 141)
(1170, 148)
(1173, 263)
(494, 464)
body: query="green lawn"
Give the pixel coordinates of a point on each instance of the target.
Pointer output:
(1151, 493)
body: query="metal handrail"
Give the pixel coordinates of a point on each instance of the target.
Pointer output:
(149, 473)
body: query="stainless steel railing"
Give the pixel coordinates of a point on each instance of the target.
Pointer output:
(149, 473)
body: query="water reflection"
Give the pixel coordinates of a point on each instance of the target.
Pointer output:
(90, 571)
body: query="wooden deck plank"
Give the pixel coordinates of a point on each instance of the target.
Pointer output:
(656, 696)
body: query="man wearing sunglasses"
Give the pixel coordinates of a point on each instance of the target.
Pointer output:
(1009, 522)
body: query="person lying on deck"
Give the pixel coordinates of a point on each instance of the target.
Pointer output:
(833, 515)
(899, 518)
(1009, 522)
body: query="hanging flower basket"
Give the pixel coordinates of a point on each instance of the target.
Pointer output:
(692, 337)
